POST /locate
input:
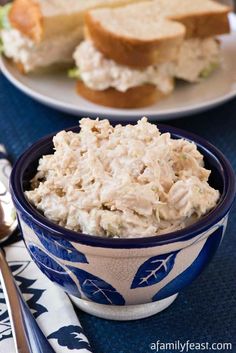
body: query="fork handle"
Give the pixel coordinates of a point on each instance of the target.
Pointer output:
(27, 335)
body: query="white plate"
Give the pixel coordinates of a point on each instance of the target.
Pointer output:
(58, 91)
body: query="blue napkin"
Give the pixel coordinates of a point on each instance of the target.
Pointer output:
(49, 304)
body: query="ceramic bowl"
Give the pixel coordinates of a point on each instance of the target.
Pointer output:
(123, 279)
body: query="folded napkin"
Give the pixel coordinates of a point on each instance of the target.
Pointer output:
(49, 304)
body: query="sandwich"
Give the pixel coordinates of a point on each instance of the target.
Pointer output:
(40, 33)
(131, 55)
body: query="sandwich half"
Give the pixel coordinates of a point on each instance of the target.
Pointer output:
(132, 54)
(40, 33)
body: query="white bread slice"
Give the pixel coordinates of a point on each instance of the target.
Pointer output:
(134, 35)
(39, 19)
(151, 32)
(202, 18)
(135, 97)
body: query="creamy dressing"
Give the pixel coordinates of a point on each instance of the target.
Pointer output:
(23, 50)
(195, 56)
(124, 181)
(100, 73)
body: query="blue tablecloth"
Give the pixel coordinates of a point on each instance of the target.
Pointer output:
(206, 310)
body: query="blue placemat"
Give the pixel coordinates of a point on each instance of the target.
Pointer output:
(206, 310)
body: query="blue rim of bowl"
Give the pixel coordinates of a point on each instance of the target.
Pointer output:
(187, 233)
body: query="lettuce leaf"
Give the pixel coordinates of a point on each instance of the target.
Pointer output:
(4, 21)
(208, 70)
(74, 73)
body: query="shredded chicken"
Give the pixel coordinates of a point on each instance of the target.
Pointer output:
(123, 181)
(196, 59)
(53, 50)
(100, 73)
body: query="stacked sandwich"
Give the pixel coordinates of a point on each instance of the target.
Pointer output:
(39, 33)
(133, 49)
(132, 54)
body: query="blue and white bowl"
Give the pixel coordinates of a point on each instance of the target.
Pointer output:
(123, 279)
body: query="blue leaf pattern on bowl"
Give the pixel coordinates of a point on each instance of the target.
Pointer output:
(53, 270)
(71, 337)
(59, 247)
(97, 289)
(187, 276)
(154, 270)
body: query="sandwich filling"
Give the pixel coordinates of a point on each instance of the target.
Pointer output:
(196, 59)
(122, 181)
(22, 49)
(100, 73)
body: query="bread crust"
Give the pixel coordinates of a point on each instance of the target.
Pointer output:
(139, 53)
(205, 25)
(26, 16)
(20, 67)
(136, 97)
(131, 51)
(29, 17)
